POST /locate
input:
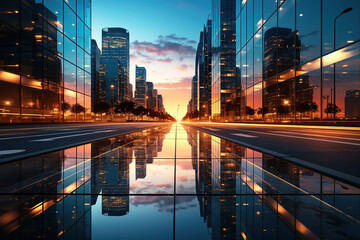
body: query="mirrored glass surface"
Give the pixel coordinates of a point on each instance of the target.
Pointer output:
(171, 182)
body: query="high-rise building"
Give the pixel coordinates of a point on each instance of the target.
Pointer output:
(152, 94)
(160, 103)
(291, 59)
(98, 93)
(130, 90)
(45, 61)
(203, 72)
(141, 86)
(352, 104)
(194, 94)
(115, 45)
(224, 78)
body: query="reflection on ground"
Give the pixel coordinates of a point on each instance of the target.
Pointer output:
(172, 182)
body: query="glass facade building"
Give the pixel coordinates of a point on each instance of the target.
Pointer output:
(116, 51)
(223, 77)
(141, 86)
(299, 60)
(45, 60)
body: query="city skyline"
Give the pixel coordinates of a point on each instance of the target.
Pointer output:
(157, 44)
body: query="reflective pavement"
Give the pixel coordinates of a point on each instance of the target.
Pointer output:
(172, 182)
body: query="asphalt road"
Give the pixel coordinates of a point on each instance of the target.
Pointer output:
(334, 150)
(23, 141)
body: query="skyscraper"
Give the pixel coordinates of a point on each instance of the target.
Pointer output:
(352, 104)
(152, 101)
(115, 45)
(141, 87)
(194, 94)
(203, 72)
(223, 79)
(160, 103)
(45, 61)
(97, 84)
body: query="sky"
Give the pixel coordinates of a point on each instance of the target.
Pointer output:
(163, 38)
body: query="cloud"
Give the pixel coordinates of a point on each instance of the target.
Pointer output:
(164, 204)
(183, 83)
(182, 68)
(163, 47)
(165, 60)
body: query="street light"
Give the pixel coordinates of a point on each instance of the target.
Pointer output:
(177, 114)
(343, 12)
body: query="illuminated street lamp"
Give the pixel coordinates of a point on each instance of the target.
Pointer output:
(343, 12)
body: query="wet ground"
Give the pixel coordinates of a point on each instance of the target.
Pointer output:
(172, 182)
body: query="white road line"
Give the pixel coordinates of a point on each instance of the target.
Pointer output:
(317, 135)
(243, 135)
(38, 135)
(7, 152)
(307, 138)
(213, 129)
(74, 135)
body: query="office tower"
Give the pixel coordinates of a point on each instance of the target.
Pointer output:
(115, 45)
(223, 90)
(130, 90)
(140, 92)
(98, 93)
(160, 103)
(203, 72)
(352, 104)
(194, 94)
(291, 61)
(45, 61)
(152, 101)
(110, 73)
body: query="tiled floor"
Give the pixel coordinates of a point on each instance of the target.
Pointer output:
(172, 183)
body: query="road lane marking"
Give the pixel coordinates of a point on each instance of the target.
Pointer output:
(7, 152)
(317, 135)
(38, 135)
(244, 135)
(307, 138)
(67, 136)
(213, 129)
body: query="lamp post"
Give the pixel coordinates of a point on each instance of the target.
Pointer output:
(177, 114)
(112, 100)
(343, 12)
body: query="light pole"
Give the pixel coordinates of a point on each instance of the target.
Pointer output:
(177, 114)
(343, 12)
(112, 100)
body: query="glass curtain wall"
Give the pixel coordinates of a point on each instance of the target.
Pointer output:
(45, 60)
(299, 60)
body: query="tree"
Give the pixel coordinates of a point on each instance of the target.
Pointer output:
(250, 111)
(101, 107)
(77, 108)
(139, 111)
(65, 106)
(332, 109)
(125, 107)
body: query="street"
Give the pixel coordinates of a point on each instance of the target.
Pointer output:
(18, 142)
(334, 150)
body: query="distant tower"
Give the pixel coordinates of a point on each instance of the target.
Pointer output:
(141, 87)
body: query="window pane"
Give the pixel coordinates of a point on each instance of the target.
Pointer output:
(270, 48)
(87, 83)
(70, 24)
(269, 7)
(69, 76)
(308, 27)
(53, 13)
(31, 97)
(80, 57)
(250, 64)
(308, 97)
(87, 62)
(80, 8)
(52, 68)
(69, 101)
(88, 13)
(347, 25)
(258, 57)
(72, 4)
(258, 21)
(69, 50)
(80, 80)
(286, 36)
(243, 27)
(87, 39)
(80, 33)
(250, 19)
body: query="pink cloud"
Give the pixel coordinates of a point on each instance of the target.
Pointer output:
(182, 68)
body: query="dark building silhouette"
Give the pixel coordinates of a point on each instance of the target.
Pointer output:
(98, 85)
(352, 104)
